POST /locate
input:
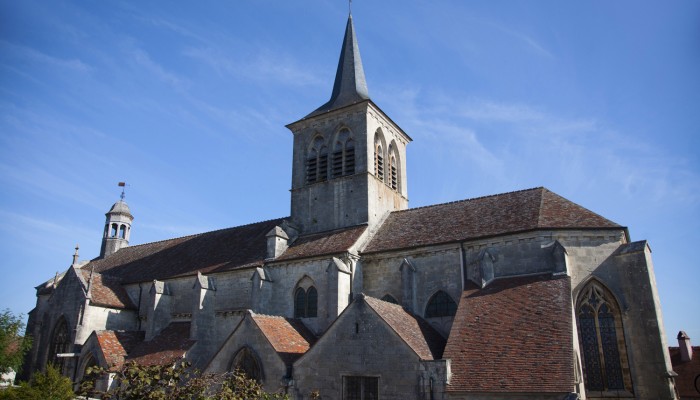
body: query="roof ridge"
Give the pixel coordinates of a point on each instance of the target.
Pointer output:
(196, 234)
(470, 199)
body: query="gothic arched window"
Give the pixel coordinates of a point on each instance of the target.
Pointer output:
(394, 173)
(343, 159)
(440, 305)
(602, 341)
(317, 162)
(379, 156)
(60, 343)
(305, 303)
(246, 362)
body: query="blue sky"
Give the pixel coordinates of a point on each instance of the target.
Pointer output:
(598, 101)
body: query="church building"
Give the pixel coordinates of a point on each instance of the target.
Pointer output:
(520, 295)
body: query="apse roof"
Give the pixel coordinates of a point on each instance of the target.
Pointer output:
(482, 217)
(514, 335)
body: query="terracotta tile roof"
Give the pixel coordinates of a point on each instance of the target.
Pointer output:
(415, 331)
(289, 337)
(515, 335)
(107, 291)
(170, 344)
(215, 251)
(324, 243)
(483, 217)
(687, 381)
(115, 345)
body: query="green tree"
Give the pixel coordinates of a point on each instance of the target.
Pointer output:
(12, 345)
(49, 385)
(175, 381)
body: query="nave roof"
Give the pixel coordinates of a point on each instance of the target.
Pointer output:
(482, 217)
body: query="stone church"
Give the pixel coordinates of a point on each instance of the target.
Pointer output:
(520, 295)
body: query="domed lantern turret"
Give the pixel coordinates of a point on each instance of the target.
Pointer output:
(117, 227)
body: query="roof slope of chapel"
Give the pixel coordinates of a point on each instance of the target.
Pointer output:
(514, 335)
(415, 331)
(116, 345)
(289, 337)
(170, 344)
(482, 217)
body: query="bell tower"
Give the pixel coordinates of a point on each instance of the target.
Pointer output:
(117, 228)
(349, 161)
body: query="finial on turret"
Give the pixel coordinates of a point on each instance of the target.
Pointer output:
(350, 7)
(75, 255)
(123, 186)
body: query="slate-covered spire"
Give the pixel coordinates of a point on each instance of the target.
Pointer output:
(350, 85)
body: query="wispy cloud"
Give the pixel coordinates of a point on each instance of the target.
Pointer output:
(263, 66)
(143, 59)
(510, 143)
(29, 54)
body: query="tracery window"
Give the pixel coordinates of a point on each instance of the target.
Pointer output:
(440, 305)
(602, 341)
(246, 362)
(305, 303)
(343, 159)
(317, 162)
(360, 388)
(60, 343)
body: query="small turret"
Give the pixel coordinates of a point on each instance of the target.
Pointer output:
(117, 228)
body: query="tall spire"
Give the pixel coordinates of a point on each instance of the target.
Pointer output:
(350, 86)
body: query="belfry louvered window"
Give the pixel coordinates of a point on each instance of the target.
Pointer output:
(602, 343)
(343, 157)
(317, 162)
(379, 162)
(393, 179)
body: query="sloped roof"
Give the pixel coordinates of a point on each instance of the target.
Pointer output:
(481, 217)
(107, 291)
(413, 330)
(170, 344)
(116, 345)
(324, 243)
(289, 337)
(687, 383)
(515, 335)
(215, 251)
